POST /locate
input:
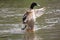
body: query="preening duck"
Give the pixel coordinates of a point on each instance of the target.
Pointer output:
(30, 16)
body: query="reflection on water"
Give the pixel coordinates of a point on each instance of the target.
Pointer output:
(26, 36)
(30, 36)
(47, 27)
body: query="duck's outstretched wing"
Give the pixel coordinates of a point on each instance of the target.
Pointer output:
(40, 12)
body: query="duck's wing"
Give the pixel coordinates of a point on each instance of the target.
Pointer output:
(40, 12)
(25, 17)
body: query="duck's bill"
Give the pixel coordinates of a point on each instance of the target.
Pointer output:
(38, 5)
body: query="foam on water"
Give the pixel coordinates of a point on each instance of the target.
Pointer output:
(17, 29)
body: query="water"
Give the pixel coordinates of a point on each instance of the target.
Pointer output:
(47, 26)
(11, 24)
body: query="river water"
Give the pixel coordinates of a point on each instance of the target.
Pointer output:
(11, 24)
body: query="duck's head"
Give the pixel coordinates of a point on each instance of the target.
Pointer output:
(33, 5)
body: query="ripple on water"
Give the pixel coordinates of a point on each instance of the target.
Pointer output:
(16, 28)
(52, 20)
(50, 31)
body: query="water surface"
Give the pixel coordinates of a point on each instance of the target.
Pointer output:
(48, 24)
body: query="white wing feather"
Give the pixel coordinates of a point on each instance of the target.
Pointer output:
(40, 12)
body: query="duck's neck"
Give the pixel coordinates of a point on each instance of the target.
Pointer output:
(31, 7)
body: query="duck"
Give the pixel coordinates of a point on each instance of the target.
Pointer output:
(30, 16)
